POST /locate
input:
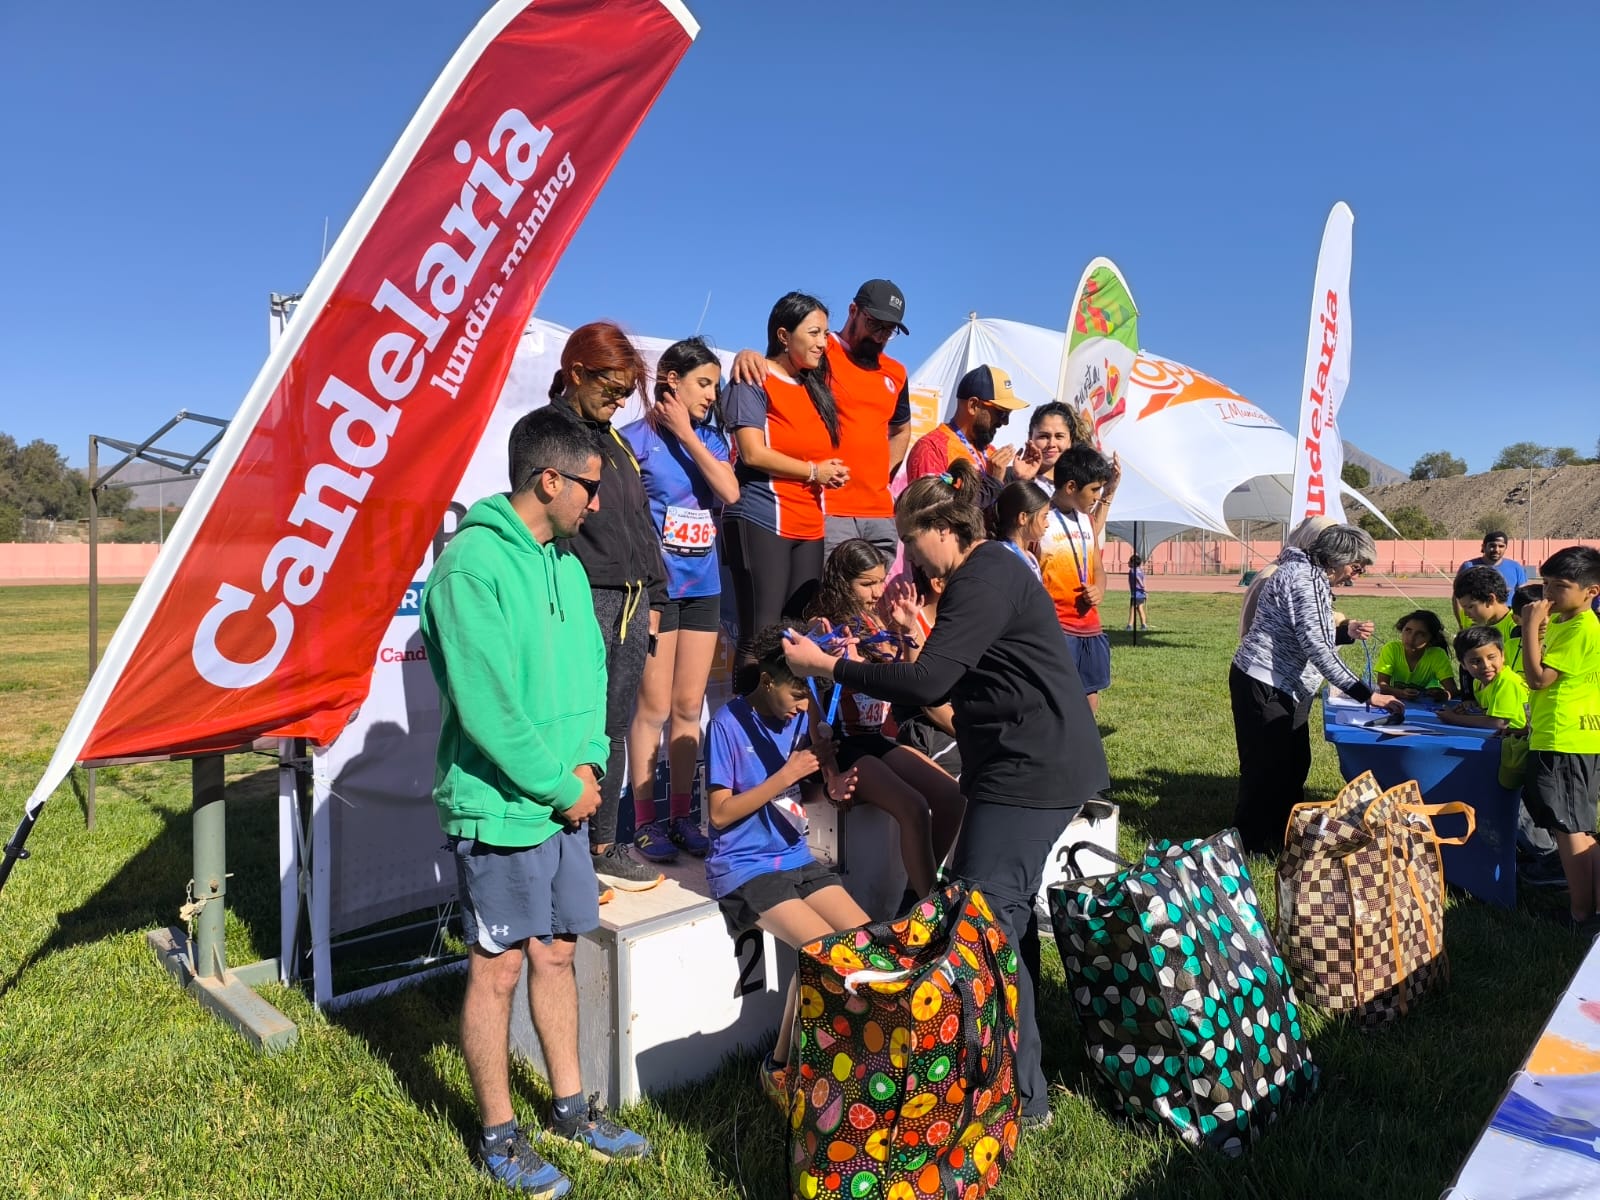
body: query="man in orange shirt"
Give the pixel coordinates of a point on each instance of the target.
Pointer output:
(874, 405)
(984, 404)
(874, 417)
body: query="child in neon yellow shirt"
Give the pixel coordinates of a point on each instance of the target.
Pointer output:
(1500, 700)
(1419, 663)
(1561, 662)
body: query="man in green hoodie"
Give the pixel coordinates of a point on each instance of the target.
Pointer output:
(511, 636)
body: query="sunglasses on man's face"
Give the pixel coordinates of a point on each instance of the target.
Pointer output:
(591, 487)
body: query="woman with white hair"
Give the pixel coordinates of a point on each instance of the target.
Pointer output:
(1286, 649)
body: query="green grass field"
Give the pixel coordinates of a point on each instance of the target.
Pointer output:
(114, 1083)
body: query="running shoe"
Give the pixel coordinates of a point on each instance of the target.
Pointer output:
(624, 872)
(600, 1135)
(655, 843)
(686, 836)
(1038, 1122)
(1544, 871)
(774, 1081)
(521, 1168)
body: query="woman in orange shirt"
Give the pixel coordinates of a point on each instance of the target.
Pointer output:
(786, 433)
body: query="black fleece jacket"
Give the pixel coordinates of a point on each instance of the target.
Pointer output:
(617, 545)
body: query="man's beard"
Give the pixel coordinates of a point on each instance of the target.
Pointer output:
(982, 436)
(865, 352)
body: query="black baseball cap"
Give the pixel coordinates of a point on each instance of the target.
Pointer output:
(881, 299)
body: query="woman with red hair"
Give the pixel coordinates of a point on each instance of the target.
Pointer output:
(621, 552)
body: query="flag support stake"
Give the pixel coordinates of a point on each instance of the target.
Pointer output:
(200, 966)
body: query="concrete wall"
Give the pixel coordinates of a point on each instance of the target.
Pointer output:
(30, 563)
(46, 562)
(1215, 556)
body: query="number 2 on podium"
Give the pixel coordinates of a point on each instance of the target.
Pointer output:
(750, 952)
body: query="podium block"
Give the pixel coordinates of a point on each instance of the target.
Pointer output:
(1102, 833)
(664, 994)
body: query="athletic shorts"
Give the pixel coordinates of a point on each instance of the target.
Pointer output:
(1091, 654)
(1561, 790)
(510, 895)
(692, 614)
(742, 907)
(853, 747)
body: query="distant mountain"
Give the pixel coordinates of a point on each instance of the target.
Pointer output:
(1381, 472)
(1560, 502)
(149, 494)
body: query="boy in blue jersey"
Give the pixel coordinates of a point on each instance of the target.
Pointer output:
(760, 869)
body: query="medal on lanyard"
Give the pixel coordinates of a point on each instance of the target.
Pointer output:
(971, 449)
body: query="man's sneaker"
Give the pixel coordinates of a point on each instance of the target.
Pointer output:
(654, 843)
(600, 1135)
(774, 1081)
(515, 1163)
(624, 872)
(1544, 871)
(686, 836)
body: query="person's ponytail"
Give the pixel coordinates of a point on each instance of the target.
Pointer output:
(947, 501)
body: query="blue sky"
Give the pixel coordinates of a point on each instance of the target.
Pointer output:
(170, 165)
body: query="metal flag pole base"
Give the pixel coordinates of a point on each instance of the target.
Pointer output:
(200, 966)
(14, 851)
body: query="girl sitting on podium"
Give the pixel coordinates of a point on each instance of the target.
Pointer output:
(923, 799)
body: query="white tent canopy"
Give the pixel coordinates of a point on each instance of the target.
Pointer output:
(1194, 454)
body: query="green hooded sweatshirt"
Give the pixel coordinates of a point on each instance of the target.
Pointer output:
(512, 640)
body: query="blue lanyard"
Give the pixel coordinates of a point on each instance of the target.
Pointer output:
(962, 438)
(833, 700)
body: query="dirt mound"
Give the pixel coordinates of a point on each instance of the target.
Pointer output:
(1558, 503)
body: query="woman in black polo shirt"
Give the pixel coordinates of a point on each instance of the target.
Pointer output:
(1030, 752)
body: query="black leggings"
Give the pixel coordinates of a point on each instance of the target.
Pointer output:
(1273, 735)
(768, 569)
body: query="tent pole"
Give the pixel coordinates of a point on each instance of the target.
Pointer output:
(94, 595)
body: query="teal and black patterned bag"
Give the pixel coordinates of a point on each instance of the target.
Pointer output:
(1187, 1009)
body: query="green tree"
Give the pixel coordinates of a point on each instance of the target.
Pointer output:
(1356, 476)
(1565, 456)
(1492, 522)
(10, 522)
(1522, 456)
(1412, 523)
(1439, 464)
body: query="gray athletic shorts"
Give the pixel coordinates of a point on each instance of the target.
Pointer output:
(880, 531)
(510, 895)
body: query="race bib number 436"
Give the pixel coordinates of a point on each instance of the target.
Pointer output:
(688, 530)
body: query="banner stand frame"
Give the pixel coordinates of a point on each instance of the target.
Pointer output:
(199, 965)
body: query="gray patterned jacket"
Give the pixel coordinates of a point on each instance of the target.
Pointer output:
(1290, 643)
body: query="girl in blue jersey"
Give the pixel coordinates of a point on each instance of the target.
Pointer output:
(683, 462)
(760, 870)
(1018, 519)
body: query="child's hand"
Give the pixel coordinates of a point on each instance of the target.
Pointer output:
(842, 788)
(1534, 614)
(802, 762)
(899, 604)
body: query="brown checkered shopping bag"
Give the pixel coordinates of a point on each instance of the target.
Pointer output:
(1361, 899)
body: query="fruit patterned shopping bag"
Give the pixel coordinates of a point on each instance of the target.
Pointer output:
(906, 1045)
(1187, 1009)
